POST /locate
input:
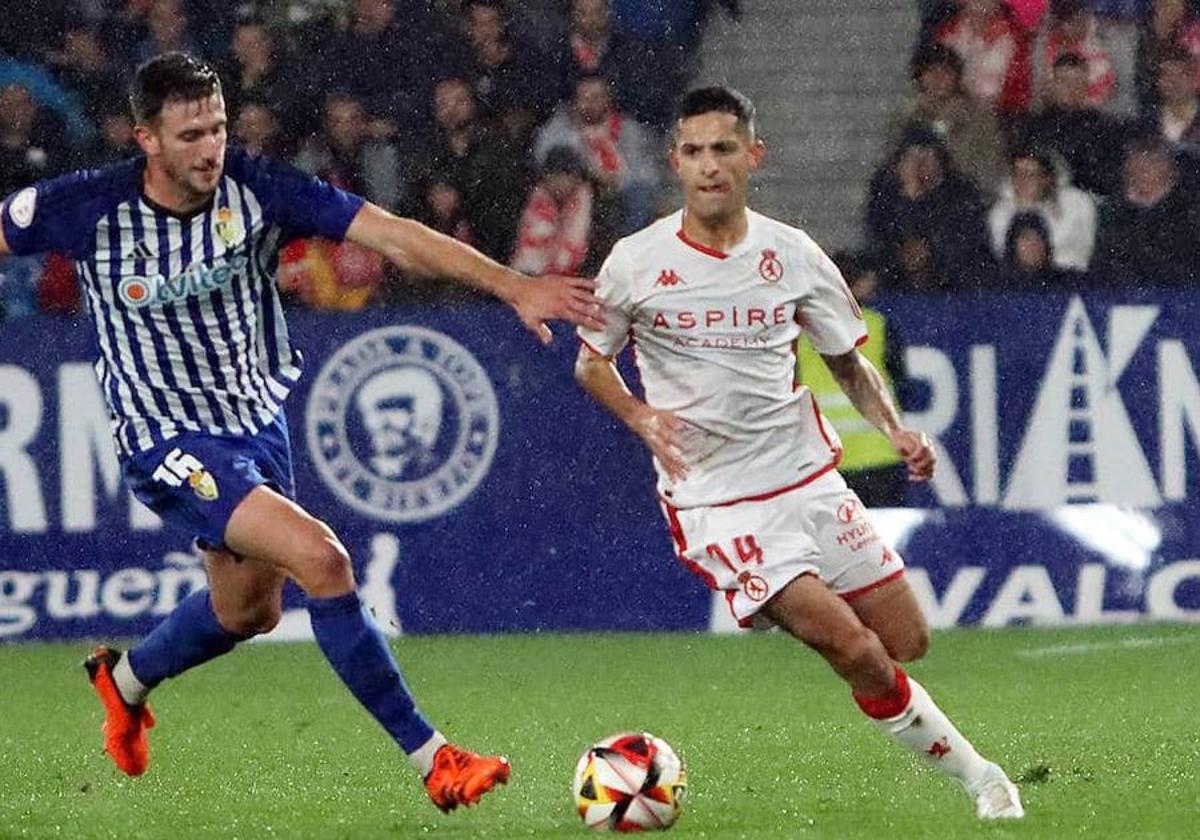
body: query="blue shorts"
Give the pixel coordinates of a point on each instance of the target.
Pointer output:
(195, 480)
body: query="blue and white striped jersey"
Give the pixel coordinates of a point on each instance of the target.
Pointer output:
(189, 326)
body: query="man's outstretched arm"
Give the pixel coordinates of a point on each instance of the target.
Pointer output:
(661, 431)
(420, 250)
(869, 393)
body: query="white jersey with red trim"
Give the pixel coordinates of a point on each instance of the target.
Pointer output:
(714, 338)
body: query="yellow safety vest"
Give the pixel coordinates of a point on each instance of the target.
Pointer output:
(865, 446)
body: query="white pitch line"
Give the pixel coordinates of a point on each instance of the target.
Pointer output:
(1067, 649)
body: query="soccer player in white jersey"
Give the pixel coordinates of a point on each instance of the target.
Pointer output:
(176, 252)
(713, 298)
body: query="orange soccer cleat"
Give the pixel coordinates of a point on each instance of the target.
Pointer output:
(460, 777)
(124, 725)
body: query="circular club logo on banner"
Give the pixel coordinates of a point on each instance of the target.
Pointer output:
(402, 423)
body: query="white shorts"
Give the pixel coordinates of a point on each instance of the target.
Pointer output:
(752, 549)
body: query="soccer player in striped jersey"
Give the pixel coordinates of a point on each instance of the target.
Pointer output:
(176, 252)
(715, 297)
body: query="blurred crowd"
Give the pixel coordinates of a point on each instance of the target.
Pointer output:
(1046, 144)
(532, 131)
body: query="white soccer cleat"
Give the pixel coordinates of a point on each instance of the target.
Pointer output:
(996, 797)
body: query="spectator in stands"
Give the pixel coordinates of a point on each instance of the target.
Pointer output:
(28, 151)
(644, 85)
(488, 172)
(256, 129)
(1177, 116)
(1035, 184)
(331, 276)
(82, 64)
(388, 63)
(1029, 259)
(345, 155)
(115, 140)
(1147, 233)
(1085, 137)
(169, 28)
(1071, 29)
(56, 103)
(566, 224)
(516, 87)
(995, 53)
(1170, 25)
(443, 209)
(940, 104)
(42, 283)
(925, 221)
(619, 151)
(299, 18)
(255, 75)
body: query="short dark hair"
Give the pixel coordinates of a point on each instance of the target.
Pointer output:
(1174, 53)
(932, 54)
(1021, 222)
(1042, 155)
(1067, 8)
(170, 77)
(721, 99)
(1069, 59)
(578, 79)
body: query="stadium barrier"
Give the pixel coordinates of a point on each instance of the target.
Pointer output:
(1068, 428)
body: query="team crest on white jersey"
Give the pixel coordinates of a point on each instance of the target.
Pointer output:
(769, 266)
(402, 423)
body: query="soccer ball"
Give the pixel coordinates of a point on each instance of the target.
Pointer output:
(630, 782)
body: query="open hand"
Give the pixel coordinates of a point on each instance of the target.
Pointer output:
(541, 299)
(917, 451)
(663, 434)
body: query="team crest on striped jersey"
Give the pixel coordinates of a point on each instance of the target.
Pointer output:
(204, 485)
(402, 423)
(229, 228)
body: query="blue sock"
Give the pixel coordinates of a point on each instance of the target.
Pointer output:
(358, 651)
(188, 637)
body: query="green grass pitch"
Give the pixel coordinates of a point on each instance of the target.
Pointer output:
(1099, 725)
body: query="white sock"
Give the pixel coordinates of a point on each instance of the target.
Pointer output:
(130, 688)
(422, 757)
(926, 731)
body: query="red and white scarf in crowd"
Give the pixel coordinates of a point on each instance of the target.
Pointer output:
(553, 239)
(602, 150)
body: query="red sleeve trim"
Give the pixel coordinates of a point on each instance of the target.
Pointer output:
(862, 340)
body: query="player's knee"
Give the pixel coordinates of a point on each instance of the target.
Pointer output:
(914, 646)
(862, 657)
(325, 568)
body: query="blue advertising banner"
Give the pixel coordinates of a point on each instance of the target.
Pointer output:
(479, 490)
